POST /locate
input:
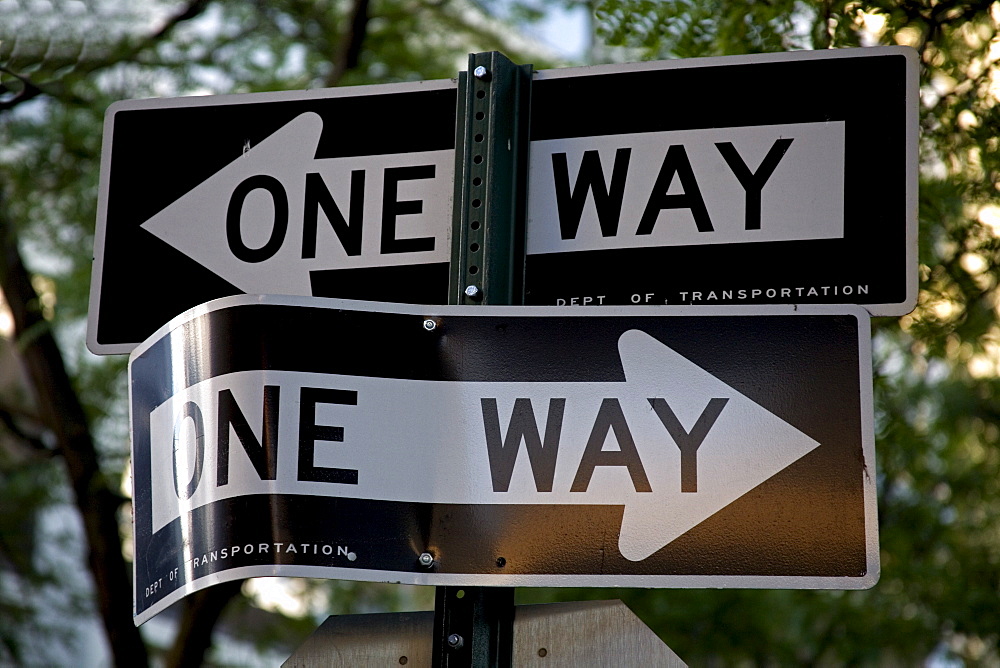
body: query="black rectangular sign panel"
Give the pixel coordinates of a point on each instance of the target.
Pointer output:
(517, 446)
(781, 178)
(744, 180)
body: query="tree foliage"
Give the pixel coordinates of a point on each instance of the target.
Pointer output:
(62, 63)
(63, 440)
(936, 369)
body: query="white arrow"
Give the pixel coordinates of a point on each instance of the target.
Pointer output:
(430, 441)
(275, 213)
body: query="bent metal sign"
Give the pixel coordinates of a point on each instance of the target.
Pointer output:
(614, 446)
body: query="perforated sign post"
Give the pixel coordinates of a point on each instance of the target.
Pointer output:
(715, 449)
(740, 180)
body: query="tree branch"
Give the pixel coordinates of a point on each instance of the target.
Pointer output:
(35, 445)
(61, 411)
(30, 90)
(201, 612)
(188, 12)
(349, 53)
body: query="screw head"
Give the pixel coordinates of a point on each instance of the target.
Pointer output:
(455, 641)
(472, 291)
(426, 559)
(481, 73)
(430, 325)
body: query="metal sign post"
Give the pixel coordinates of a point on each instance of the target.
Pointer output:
(474, 626)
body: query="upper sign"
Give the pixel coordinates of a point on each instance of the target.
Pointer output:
(740, 180)
(777, 178)
(696, 446)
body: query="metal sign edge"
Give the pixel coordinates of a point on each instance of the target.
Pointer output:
(100, 234)
(617, 581)
(721, 61)
(511, 311)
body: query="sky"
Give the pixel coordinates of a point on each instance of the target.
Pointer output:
(565, 31)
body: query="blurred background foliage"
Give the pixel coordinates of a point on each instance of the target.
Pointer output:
(64, 441)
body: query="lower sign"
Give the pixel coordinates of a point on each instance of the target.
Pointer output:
(516, 446)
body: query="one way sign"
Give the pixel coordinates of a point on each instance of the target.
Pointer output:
(742, 180)
(689, 449)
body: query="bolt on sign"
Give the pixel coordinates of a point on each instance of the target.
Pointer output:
(443, 445)
(741, 180)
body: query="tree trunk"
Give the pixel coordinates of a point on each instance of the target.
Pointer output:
(202, 610)
(62, 413)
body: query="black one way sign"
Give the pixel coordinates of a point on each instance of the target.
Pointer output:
(744, 180)
(515, 446)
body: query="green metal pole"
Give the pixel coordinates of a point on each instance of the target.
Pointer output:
(487, 261)
(473, 626)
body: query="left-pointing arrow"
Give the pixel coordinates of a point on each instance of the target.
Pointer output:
(277, 213)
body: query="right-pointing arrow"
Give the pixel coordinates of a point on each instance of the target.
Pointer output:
(744, 444)
(276, 213)
(673, 444)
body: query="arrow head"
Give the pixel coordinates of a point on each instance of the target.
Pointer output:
(745, 445)
(196, 223)
(275, 217)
